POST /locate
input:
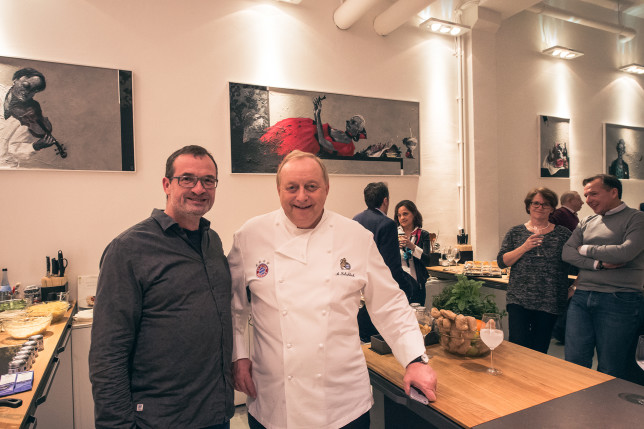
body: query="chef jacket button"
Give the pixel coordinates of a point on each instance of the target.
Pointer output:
(289, 345)
(290, 377)
(323, 312)
(318, 375)
(281, 280)
(321, 345)
(328, 251)
(284, 312)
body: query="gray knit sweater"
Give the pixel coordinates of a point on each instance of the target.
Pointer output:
(617, 238)
(539, 279)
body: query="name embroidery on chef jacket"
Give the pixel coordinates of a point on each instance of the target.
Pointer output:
(345, 268)
(262, 269)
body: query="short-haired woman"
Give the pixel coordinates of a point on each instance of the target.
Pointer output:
(538, 286)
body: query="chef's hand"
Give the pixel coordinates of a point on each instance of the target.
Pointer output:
(423, 377)
(243, 379)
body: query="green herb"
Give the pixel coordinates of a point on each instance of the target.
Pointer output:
(464, 297)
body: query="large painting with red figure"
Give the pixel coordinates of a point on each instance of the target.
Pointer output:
(352, 135)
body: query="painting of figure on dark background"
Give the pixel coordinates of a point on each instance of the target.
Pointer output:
(24, 130)
(268, 123)
(554, 136)
(65, 117)
(624, 151)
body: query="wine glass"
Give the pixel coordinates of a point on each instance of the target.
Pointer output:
(456, 255)
(538, 230)
(424, 322)
(445, 257)
(449, 256)
(639, 358)
(492, 335)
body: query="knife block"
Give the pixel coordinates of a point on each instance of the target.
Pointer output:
(50, 286)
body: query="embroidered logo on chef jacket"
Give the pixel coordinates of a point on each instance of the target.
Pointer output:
(139, 407)
(262, 269)
(345, 266)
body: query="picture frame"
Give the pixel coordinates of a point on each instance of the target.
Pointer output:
(360, 135)
(554, 141)
(60, 116)
(623, 151)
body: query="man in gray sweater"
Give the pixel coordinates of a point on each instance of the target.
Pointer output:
(607, 308)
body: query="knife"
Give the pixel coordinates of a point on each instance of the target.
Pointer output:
(54, 267)
(62, 263)
(48, 266)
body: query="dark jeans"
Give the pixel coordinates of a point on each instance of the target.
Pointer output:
(530, 328)
(606, 321)
(361, 422)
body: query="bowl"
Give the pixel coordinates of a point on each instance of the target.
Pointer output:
(57, 309)
(8, 315)
(468, 344)
(25, 327)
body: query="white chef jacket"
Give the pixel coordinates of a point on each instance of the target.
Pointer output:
(305, 284)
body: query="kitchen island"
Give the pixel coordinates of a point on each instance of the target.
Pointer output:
(535, 390)
(56, 339)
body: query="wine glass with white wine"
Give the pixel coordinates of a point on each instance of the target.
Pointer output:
(492, 336)
(639, 358)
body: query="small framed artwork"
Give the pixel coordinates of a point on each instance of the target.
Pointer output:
(623, 151)
(352, 135)
(65, 117)
(554, 139)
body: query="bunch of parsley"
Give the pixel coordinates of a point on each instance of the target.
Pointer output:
(464, 297)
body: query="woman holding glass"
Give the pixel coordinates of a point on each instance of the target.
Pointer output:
(538, 285)
(415, 246)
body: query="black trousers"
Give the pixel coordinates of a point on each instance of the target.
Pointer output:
(530, 328)
(361, 422)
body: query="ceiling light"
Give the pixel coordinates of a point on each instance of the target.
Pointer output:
(561, 52)
(444, 27)
(633, 68)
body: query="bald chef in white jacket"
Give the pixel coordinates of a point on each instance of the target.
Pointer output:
(306, 267)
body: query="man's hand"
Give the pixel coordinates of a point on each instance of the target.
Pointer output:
(243, 379)
(421, 376)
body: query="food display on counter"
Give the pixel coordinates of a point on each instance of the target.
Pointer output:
(457, 311)
(56, 309)
(482, 269)
(459, 334)
(25, 327)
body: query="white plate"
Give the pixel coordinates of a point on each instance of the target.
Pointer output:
(84, 316)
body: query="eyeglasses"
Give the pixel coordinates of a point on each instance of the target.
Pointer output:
(543, 205)
(208, 182)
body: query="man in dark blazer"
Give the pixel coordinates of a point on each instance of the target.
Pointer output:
(385, 234)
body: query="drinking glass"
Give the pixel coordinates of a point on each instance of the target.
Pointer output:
(425, 321)
(449, 256)
(538, 230)
(492, 336)
(456, 255)
(639, 357)
(445, 257)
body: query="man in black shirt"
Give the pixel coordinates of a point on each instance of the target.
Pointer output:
(161, 348)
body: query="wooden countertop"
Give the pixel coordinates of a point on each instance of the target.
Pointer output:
(493, 282)
(17, 417)
(470, 396)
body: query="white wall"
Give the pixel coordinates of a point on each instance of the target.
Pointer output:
(183, 54)
(589, 90)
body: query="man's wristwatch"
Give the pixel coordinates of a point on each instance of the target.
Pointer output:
(421, 359)
(600, 265)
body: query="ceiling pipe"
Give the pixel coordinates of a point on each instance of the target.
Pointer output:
(397, 14)
(349, 12)
(625, 34)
